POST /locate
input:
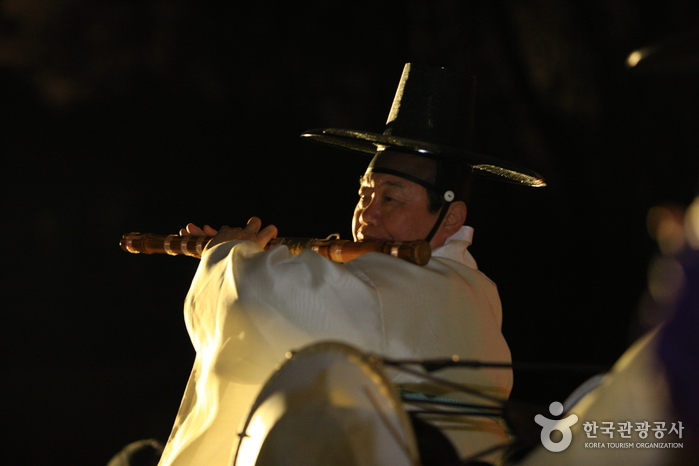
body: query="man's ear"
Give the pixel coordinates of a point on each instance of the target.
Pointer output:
(455, 218)
(452, 223)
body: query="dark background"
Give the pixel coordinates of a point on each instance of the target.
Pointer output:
(146, 115)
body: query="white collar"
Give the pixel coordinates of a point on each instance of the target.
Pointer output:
(465, 233)
(456, 247)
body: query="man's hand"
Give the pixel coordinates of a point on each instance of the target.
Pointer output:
(251, 232)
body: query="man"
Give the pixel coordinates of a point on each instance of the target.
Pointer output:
(247, 307)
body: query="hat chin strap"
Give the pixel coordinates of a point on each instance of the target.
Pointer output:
(442, 213)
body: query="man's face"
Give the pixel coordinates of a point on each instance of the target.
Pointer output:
(391, 208)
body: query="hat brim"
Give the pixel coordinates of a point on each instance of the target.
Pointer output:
(369, 143)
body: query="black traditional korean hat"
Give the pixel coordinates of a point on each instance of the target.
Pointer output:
(431, 120)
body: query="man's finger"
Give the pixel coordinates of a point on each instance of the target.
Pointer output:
(266, 234)
(253, 225)
(194, 230)
(209, 231)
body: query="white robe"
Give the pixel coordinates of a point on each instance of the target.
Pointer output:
(247, 307)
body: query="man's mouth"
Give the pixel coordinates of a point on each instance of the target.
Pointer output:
(364, 237)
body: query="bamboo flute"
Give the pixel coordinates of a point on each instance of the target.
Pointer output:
(417, 252)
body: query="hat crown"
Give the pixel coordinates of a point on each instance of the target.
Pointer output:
(432, 115)
(434, 105)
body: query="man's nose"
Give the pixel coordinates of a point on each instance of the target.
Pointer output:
(371, 213)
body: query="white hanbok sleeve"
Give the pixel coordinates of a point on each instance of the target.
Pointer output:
(246, 308)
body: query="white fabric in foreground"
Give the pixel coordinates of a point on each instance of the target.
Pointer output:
(329, 404)
(634, 391)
